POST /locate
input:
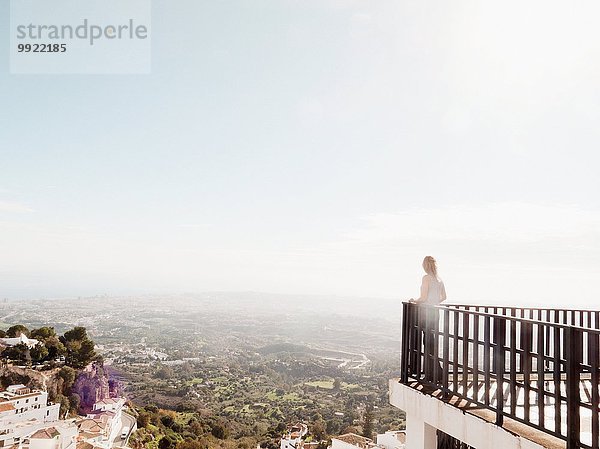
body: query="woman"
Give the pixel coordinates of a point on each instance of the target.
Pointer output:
(433, 293)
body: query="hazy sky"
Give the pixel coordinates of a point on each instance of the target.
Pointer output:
(315, 147)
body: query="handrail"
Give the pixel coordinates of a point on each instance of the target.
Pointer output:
(502, 306)
(515, 318)
(572, 317)
(523, 364)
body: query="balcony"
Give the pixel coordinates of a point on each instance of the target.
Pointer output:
(530, 372)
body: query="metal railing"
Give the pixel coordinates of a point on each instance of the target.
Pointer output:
(536, 366)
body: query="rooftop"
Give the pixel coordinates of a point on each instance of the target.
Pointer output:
(356, 440)
(46, 434)
(14, 392)
(21, 339)
(400, 435)
(91, 425)
(6, 406)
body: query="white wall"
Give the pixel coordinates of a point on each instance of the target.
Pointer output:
(338, 444)
(68, 432)
(44, 443)
(389, 440)
(289, 444)
(115, 427)
(34, 407)
(425, 414)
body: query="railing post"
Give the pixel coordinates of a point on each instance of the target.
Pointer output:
(437, 371)
(594, 358)
(573, 354)
(405, 344)
(446, 350)
(526, 364)
(499, 365)
(426, 333)
(416, 342)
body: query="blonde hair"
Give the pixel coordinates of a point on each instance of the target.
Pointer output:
(430, 266)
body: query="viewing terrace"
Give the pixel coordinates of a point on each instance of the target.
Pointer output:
(528, 376)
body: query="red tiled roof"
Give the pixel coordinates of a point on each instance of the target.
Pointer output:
(6, 406)
(46, 434)
(84, 445)
(91, 425)
(354, 439)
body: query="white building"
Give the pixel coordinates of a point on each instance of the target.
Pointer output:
(292, 439)
(110, 404)
(62, 435)
(23, 411)
(29, 421)
(393, 439)
(353, 441)
(21, 339)
(103, 427)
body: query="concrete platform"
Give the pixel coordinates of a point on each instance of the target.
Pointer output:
(427, 411)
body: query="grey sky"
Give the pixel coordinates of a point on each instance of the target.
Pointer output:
(314, 147)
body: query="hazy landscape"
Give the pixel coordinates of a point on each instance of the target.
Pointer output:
(247, 363)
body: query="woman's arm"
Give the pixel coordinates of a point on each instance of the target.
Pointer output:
(443, 293)
(424, 290)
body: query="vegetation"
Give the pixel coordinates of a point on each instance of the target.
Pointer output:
(79, 347)
(74, 347)
(367, 427)
(206, 373)
(165, 429)
(246, 400)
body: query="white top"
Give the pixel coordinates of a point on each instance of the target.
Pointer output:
(434, 292)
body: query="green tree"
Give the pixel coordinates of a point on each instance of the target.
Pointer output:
(17, 330)
(68, 376)
(75, 402)
(165, 372)
(334, 426)
(65, 405)
(78, 333)
(43, 333)
(79, 348)
(318, 429)
(39, 352)
(55, 347)
(167, 420)
(167, 442)
(196, 427)
(336, 385)
(18, 353)
(143, 419)
(367, 426)
(219, 430)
